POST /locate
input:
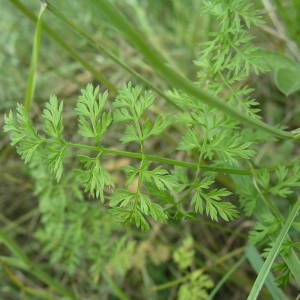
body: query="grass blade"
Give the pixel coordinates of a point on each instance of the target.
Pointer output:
(256, 263)
(265, 270)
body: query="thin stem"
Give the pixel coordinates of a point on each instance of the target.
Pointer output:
(176, 80)
(161, 159)
(142, 163)
(108, 53)
(34, 60)
(194, 184)
(60, 41)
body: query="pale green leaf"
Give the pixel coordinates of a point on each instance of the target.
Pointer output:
(52, 114)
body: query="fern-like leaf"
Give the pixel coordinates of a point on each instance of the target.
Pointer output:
(210, 202)
(52, 114)
(94, 177)
(93, 122)
(23, 134)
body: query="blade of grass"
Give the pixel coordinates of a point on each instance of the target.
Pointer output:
(265, 270)
(52, 34)
(158, 63)
(30, 89)
(32, 268)
(256, 263)
(291, 260)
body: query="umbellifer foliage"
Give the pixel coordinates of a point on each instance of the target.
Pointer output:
(134, 205)
(73, 176)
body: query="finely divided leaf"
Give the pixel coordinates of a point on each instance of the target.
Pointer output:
(149, 128)
(93, 122)
(132, 99)
(190, 141)
(286, 181)
(123, 198)
(211, 202)
(130, 105)
(160, 177)
(127, 216)
(228, 145)
(52, 114)
(130, 134)
(54, 152)
(94, 176)
(22, 133)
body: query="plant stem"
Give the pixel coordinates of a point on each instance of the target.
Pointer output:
(27, 12)
(108, 53)
(159, 159)
(30, 89)
(158, 63)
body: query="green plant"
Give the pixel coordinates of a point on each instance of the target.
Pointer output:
(213, 123)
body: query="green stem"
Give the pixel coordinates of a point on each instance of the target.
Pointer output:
(196, 176)
(172, 77)
(160, 159)
(265, 270)
(108, 53)
(33, 269)
(26, 11)
(30, 89)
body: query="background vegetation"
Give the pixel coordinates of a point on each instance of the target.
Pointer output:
(60, 241)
